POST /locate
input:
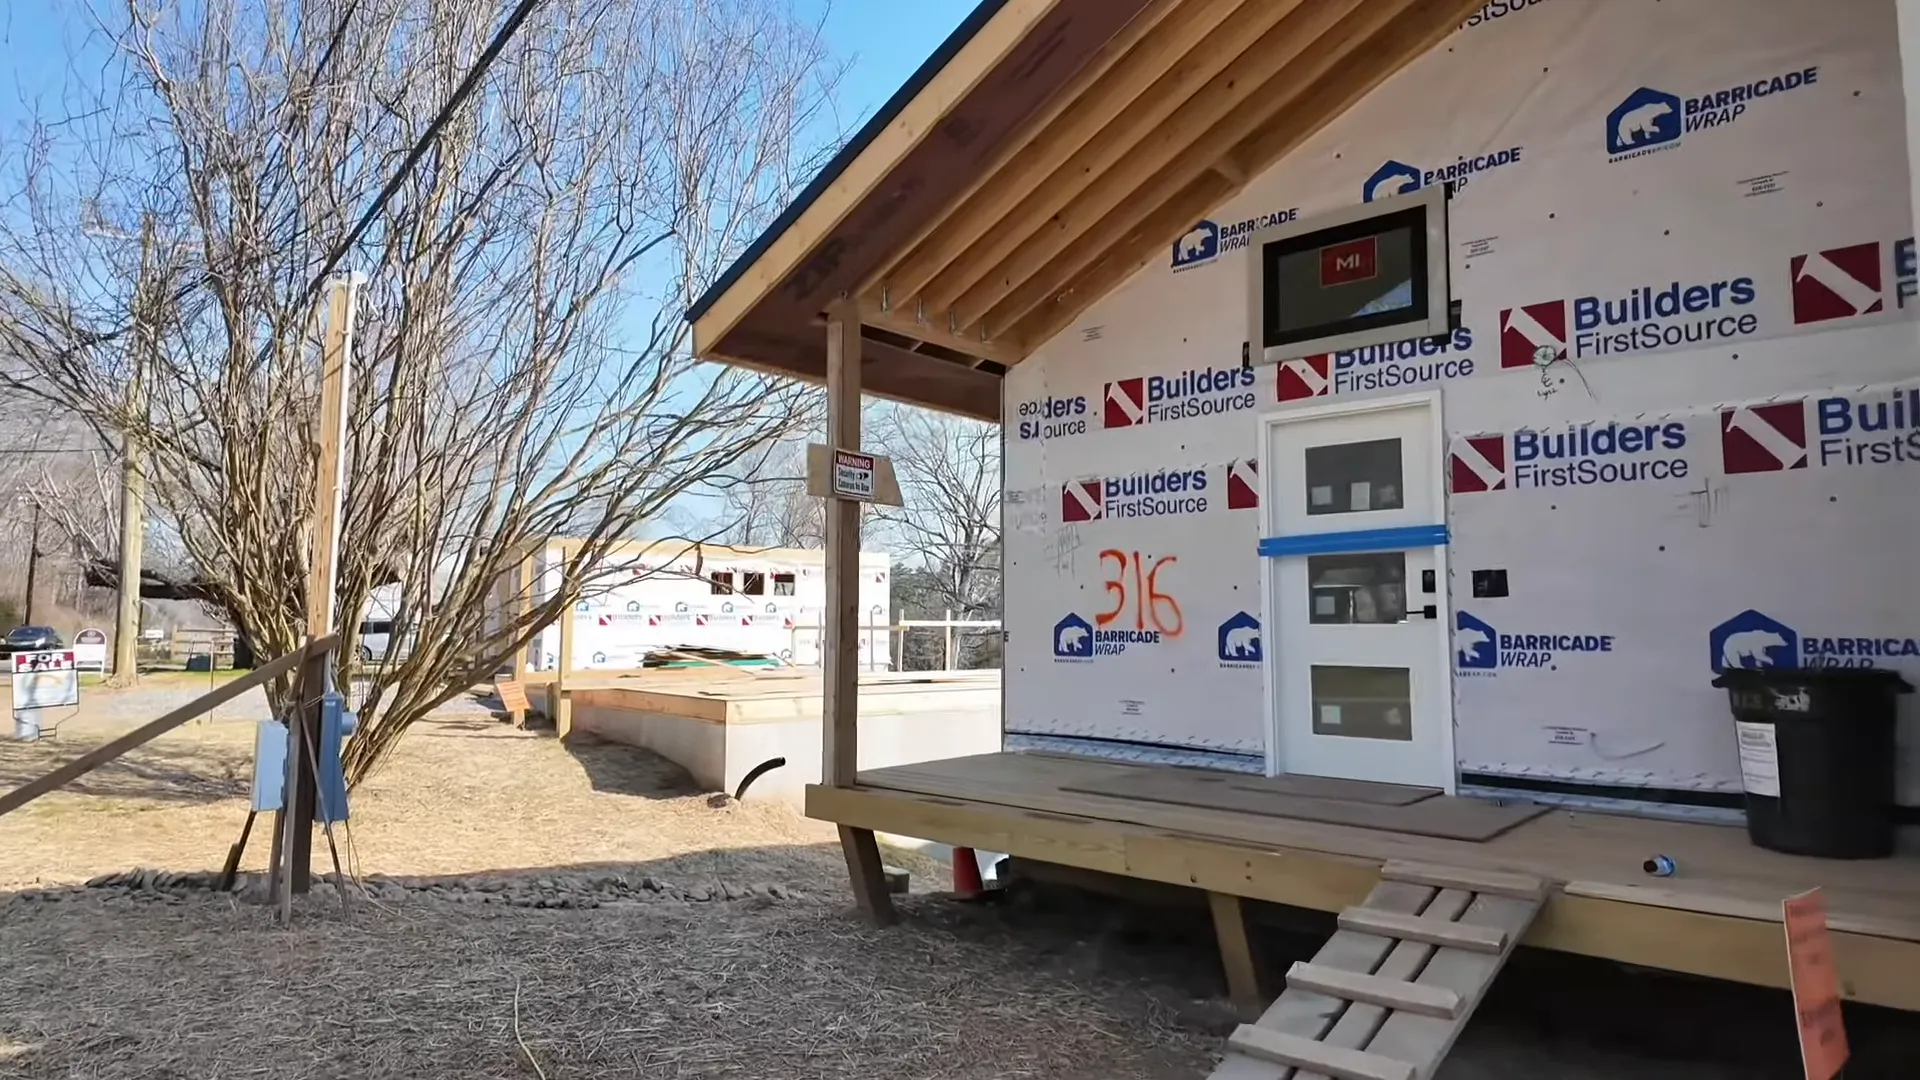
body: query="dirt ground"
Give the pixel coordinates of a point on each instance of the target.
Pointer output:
(532, 910)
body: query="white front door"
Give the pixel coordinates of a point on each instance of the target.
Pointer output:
(1354, 566)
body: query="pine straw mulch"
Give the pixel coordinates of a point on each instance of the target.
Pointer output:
(210, 987)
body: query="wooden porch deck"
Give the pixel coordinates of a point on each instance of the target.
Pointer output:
(1719, 916)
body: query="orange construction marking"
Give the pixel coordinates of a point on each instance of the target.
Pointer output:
(1816, 985)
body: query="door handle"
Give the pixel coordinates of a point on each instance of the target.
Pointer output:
(1431, 611)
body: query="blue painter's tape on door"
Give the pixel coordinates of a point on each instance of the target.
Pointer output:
(1336, 543)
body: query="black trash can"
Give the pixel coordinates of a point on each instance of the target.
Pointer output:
(1816, 757)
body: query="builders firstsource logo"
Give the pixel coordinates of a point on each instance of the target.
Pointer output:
(1578, 456)
(1052, 417)
(1753, 639)
(1648, 121)
(1162, 493)
(1498, 10)
(1207, 241)
(1419, 362)
(1481, 650)
(1075, 640)
(1647, 318)
(1196, 392)
(1875, 428)
(1396, 177)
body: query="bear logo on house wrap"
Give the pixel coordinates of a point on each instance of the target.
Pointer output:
(1476, 644)
(1753, 640)
(1196, 245)
(1641, 123)
(1647, 119)
(1073, 638)
(1240, 640)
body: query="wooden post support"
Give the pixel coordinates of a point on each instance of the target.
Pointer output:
(1244, 986)
(559, 696)
(840, 697)
(303, 725)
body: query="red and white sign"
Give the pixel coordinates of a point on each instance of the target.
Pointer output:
(1126, 403)
(853, 475)
(45, 680)
(1305, 377)
(1243, 485)
(1764, 438)
(1080, 501)
(1355, 260)
(1837, 284)
(1477, 463)
(1528, 330)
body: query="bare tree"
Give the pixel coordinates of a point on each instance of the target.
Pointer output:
(770, 507)
(949, 529)
(521, 368)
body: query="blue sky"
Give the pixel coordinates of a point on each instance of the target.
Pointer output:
(884, 39)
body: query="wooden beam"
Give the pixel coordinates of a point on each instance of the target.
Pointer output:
(840, 689)
(918, 379)
(1076, 117)
(1520, 886)
(1113, 147)
(1002, 35)
(66, 774)
(1075, 200)
(1060, 306)
(1388, 993)
(1407, 38)
(1308, 1055)
(1441, 932)
(1317, 37)
(902, 321)
(559, 697)
(1237, 958)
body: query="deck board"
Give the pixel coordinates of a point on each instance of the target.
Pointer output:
(1593, 855)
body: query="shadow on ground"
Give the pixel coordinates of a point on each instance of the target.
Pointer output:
(162, 771)
(617, 769)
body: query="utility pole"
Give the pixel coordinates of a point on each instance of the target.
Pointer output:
(133, 481)
(33, 565)
(293, 848)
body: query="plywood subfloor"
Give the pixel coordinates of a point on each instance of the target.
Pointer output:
(1419, 811)
(1596, 855)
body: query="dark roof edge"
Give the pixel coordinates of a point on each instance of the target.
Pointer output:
(868, 132)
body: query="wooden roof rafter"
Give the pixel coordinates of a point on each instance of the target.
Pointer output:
(1097, 132)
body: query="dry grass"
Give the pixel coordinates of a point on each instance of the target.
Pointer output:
(103, 984)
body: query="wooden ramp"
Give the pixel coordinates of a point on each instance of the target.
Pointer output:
(1388, 993)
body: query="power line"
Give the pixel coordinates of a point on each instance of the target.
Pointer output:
(425, 143)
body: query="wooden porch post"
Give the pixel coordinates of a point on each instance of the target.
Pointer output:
(840, 696)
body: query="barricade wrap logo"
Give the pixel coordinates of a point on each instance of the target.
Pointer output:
(1752, 639)
(1162, 493)
(1395, 177)
(1873, 428)
(1075, 640)
(1764, 438)
(1479, 649)
(1648, 121)
(1239, 641)
(1052, 417)
(1192, 393)
(1207, 241)
(1648, 318)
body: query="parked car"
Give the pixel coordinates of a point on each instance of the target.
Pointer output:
(32, 639)
(378, 643)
